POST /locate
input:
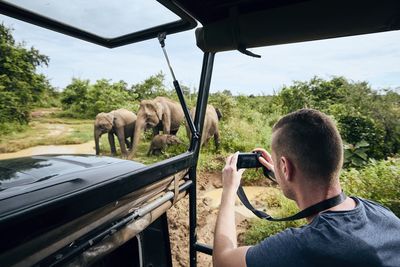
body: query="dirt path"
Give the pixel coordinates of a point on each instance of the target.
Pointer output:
(85, 148)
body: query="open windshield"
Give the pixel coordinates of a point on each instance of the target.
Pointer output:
(107, 19)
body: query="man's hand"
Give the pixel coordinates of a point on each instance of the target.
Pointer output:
(230, 175)
(265, 159)
(226, 252)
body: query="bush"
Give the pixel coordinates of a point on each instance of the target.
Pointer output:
(244, 136)
(82, 100)
(279, 206)
(21, 88)
(378, 181)
(361, 113)
(226, 103)
(10, 128)
(357, 128)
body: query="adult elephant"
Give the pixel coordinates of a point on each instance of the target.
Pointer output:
(210, 127)
(120, 122)
(160, 114)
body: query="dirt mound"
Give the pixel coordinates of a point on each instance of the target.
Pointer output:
(178, 219)
(208, 186)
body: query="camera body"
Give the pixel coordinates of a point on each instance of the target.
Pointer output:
(250, 160)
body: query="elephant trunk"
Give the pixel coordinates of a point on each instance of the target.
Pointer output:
(139, 126)
(97, 135)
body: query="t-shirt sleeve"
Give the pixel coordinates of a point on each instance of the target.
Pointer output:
(280, 250)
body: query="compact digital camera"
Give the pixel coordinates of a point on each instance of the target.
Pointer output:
(250, 160)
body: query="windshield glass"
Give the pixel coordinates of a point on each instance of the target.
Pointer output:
(104, 18)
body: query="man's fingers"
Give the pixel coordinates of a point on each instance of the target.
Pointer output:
(228, 160)
(266, 164)
(268, 156)
(234, 158)
(264, 153)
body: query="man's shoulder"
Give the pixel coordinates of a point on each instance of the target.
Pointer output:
(376, 208)
(311, 244)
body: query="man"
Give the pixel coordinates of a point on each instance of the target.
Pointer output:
(307, 157)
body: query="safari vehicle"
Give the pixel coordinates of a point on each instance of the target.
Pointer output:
(100, 211)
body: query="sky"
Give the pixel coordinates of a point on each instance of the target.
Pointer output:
(374, 58)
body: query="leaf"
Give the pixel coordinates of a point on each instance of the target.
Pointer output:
(362, 143)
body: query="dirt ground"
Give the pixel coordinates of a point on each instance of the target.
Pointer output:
(178, 219)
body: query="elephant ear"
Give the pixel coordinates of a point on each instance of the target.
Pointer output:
(110, 118)
(159, 110)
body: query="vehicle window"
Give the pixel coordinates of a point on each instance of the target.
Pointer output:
(65, 97)
(103, 18)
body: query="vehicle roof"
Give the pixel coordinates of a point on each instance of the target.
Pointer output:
(234, 24)
(229, 25)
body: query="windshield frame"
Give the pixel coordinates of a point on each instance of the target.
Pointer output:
(186, 22)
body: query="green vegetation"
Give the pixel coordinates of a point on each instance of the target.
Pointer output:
(378, 181)
(21, 88)
(47, 130)
(362, 114)
(277, 206)
(82, 100)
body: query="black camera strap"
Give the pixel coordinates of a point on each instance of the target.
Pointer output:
(312, 210)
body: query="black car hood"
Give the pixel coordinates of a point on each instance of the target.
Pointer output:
(23, 173)
(24, 176)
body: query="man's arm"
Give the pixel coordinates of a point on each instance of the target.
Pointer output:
(226, 252)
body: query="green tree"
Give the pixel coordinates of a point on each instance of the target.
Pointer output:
(75, 96)
(362, 113)
(150, 87)
(83, 100)
(21, 87)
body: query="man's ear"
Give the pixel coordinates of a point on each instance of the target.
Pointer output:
(287, 168)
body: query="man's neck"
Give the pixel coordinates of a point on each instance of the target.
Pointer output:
(311, 194)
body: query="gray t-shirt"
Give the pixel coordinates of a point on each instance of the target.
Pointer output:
(367, 236)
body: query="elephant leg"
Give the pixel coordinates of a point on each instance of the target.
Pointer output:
(128, 144)
(151, 151)
(216, 140)
(121, 138)
(112, 143)
(156, 130)
(131, 137)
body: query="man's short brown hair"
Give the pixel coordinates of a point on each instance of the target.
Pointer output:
(311, 140)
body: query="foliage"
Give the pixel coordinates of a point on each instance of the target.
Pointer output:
(355, 155)
(21, 88)
(279, 206)
(378, 181)
(357, 128)
(10, 128)
(150, 87)
(225, 103)
(80, 99)
(361, 113)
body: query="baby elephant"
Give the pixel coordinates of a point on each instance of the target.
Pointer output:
(160, 142)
